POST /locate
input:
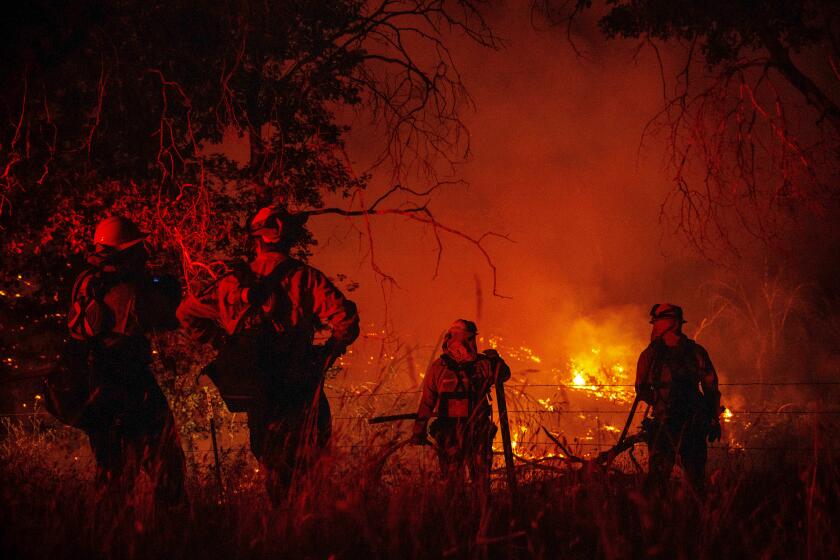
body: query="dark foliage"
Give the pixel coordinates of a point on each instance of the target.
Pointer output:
(186, 116)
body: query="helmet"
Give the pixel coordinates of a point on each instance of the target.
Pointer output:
(666, 310)
(116, 234)
(463, 325)
(269, 221)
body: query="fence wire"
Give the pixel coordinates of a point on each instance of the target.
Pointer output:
(348, 393)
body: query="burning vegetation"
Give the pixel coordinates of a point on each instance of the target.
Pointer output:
(234, 139)
(373, 495)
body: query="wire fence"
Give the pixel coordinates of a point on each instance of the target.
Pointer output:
(347, 393)
(586, 386)
(344, 394)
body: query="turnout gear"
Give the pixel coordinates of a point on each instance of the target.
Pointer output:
(251, 337)
(263, 323)
(676, 377)
(458, 393)
(104, 385)
(678, 381)
(714, 430)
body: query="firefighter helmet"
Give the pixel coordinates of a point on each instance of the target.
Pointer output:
(464, 325)
(116, 234)
(666, 310)
(269, 222)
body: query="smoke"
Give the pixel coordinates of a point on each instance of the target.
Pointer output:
(556, 164)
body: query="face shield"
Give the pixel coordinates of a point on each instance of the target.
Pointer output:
(664, 326)
(460, 342)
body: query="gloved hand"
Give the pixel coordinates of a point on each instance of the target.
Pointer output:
(325, 356)
(258, 293)
(240, 270)
(253, 289)
(714, 430)
(646, 393)
(419, 439)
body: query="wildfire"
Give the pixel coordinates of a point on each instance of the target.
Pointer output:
(608, 380)
(600, 355)
(519, 353)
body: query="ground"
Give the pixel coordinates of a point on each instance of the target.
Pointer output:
(366, 500)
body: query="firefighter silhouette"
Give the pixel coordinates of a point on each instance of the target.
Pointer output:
(263, 317)
(676, 377)
(105, 386)
(456, 391)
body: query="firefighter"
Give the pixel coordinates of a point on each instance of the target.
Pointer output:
(456, 390)
(675, 376)
(263, 318)
(108, 389)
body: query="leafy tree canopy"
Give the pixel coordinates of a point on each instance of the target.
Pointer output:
(121, 106)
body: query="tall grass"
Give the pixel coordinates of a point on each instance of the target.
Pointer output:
(371, 497)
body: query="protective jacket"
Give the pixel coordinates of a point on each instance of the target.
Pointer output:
(670, 378)
(460, 392)
(109, 369)
(105, 385)
(264, 323)
(301, 301)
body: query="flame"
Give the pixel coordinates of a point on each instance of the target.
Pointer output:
(601, 355)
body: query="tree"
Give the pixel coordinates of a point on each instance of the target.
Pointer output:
(751, 115)
(121, 107)
(117, 102)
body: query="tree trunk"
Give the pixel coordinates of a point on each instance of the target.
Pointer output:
(780, 59)
(256, 156)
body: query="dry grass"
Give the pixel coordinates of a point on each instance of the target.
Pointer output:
(371, 502)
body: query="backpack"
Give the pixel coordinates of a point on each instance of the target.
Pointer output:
(68, 388)
(467, 394)
(683, 394)
(89, 316)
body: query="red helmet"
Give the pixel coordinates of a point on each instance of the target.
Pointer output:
(116, 234)
(268, 223)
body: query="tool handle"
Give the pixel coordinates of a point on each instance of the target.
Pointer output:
(501, 402)
(392, 418)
